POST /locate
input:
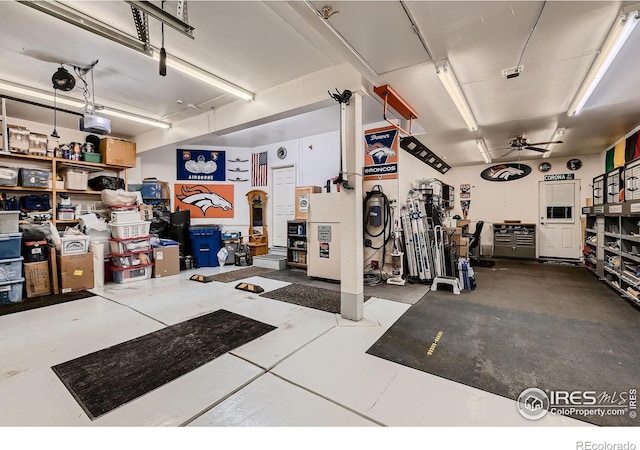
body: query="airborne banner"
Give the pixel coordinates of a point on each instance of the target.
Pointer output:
(381, 154)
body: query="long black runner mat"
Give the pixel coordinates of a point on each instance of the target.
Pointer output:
(106, 379)
(40, 302)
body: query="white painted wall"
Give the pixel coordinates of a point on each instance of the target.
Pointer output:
(494, 202)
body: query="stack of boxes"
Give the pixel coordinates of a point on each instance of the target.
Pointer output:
(130, 246)
(74, 264)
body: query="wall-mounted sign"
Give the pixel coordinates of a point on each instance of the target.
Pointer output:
(324, 250)
(560, 177)
(544, 167)
(200, 165)
(506, 172)
(381, 154)
(574, 164)
(465, 191)
(324, 233)
(205, 200)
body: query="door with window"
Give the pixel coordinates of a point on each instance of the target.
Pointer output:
(559, 225)
(283, 201)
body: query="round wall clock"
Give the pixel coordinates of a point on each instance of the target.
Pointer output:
(282, 153)
(544, 167)
(574, 164)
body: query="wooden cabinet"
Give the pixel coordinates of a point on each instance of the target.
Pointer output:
(297, 244)
(514, 240)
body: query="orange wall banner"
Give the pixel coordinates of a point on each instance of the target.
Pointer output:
(381, 154)
(205, 200)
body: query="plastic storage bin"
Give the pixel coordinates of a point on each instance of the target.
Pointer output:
(128, 217)
(76, 180)
(9, 221)
(11, 269)
(127, 275)
(8, 176)
(205, 244)
(37, 178)
(11, 291)
(10, 245)
(127, 260)
(119, 246)
(35, 251)
(129, 230)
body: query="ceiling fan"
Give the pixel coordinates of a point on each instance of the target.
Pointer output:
(520, 143)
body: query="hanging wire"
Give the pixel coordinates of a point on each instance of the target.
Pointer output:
(530, 34)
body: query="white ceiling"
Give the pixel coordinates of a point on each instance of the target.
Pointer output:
(260, 45)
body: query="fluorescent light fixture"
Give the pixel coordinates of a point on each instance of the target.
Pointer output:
(556, 137)
(204, 76)
(448, 79)
(612, 45)
(483, 150)
(43, 95)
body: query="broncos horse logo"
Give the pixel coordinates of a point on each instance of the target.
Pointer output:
(505, 172)
(201, 197)
(380, 153)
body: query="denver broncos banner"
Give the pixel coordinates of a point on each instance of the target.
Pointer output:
(381, 154)
(205, 200)
(201, 165)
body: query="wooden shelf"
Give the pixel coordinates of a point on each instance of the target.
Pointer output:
(57, 164)
(90, 164)
(75, 191)
(26, 156)
(25, 189)
(293, 264)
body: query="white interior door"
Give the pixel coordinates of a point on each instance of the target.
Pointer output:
(283, 201)
(559, 226)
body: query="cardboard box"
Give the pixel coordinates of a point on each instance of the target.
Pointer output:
(146, 212)
(37, 281)
(155, 189)
(76, 272)
(302, 200)
(118, 152)
(166, 261)
(53, 270)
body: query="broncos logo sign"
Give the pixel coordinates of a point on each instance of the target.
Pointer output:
(205, 200)
(506, 172)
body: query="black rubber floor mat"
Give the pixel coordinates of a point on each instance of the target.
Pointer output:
(309, 296)
(45, 300)
(106, 379)
(239, 274)
(506, 336)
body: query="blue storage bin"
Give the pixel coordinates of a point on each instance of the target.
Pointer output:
(11, 291)
(205, 245)
(10, 245)
(11, 269)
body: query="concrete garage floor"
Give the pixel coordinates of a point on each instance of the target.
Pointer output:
(312, 370)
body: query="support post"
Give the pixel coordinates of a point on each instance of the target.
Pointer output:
(351, 254)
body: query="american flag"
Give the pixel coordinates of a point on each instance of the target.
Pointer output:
(259, 169)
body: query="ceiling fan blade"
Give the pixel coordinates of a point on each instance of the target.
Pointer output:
(536, 149)
(501, 148)
(550, 142)
(510, 151)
